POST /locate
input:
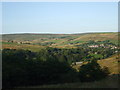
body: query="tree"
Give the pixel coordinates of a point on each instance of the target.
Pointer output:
(23, 67)
(92, 72)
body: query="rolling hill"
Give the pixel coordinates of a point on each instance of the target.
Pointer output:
(55, 40)
(35, 42)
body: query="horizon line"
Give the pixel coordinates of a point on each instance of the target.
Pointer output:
(54, 33)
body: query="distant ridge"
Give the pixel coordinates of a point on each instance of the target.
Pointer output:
(55, 33)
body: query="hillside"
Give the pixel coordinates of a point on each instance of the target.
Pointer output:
(111, 62)
(109, 82)
(56, 40)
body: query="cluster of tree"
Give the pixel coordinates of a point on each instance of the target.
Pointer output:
(92, 72)
(23, 67)
(77, 54)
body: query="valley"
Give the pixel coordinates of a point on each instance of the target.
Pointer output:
(60, 60)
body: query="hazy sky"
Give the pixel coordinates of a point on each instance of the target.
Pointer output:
(59, 17)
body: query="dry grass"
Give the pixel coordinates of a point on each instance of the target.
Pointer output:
(111, 63)
(23, 46)
(102, 37)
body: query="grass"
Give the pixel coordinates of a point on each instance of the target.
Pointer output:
(96, 55)
(34, 48)
(77, 41)
(111, 63)
(98, 36)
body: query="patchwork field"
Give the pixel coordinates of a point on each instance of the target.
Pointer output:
(36, 41)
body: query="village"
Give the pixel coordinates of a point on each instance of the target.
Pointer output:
(104, 46)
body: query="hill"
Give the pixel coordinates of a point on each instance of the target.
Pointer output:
(57, 40)
(84, 47)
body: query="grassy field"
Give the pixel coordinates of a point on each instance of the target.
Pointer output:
(34, 48)
(112, 63)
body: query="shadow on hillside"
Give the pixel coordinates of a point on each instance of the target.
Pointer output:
(111, 81)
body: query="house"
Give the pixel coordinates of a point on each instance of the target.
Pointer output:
(93, 46)
(76, 63)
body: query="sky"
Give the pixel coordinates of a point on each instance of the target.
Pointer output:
(59, 17)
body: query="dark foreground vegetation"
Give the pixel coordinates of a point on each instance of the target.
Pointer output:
(111, 81)
(49, 66)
